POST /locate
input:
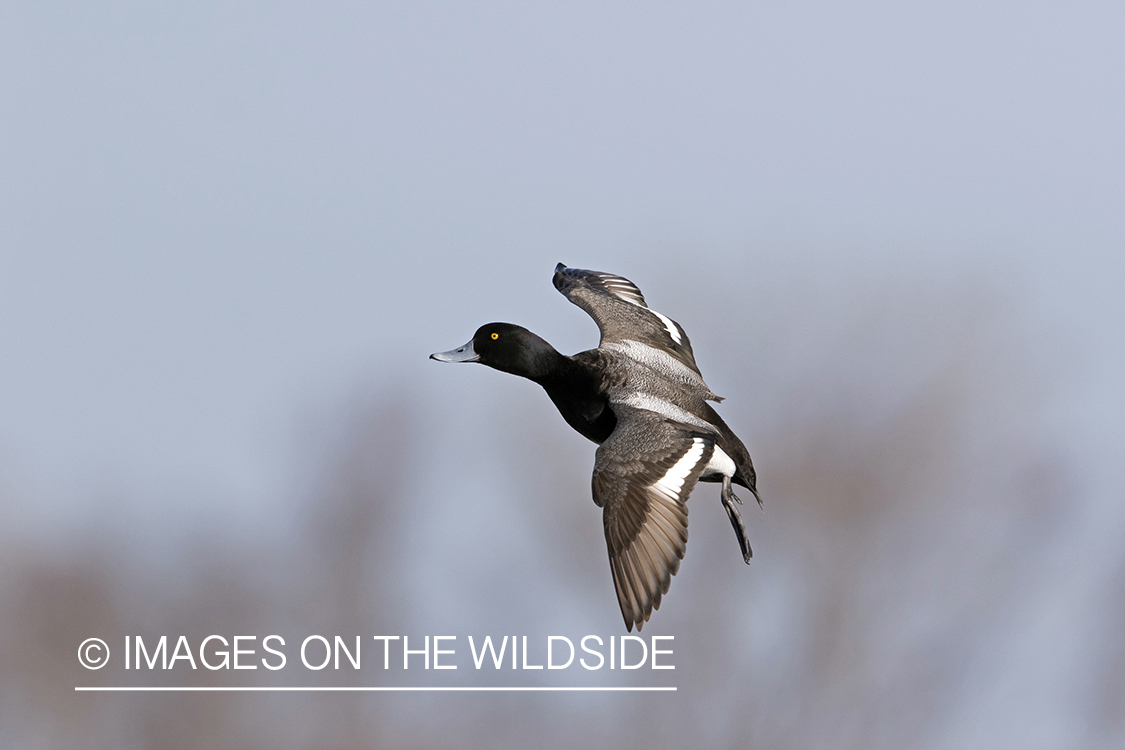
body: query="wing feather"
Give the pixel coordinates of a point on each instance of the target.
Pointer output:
(628, 325)
(643, 476)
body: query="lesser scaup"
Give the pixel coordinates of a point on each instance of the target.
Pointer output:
(641, 398)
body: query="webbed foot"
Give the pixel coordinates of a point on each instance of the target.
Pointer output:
(735, 517)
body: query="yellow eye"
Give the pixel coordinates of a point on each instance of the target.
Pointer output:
(495, 336)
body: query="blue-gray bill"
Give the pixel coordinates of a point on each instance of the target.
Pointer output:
(464, 353)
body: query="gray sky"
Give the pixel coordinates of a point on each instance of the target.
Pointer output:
(213, 216)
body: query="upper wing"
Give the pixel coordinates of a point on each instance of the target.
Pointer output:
(623, 317)
(643, 475)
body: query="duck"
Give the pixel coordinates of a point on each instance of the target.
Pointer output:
(641, 398)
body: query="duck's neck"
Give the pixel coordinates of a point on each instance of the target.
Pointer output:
(539, 361)
(557, 369)
(577, 388)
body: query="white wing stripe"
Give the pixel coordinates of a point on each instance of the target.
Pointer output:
(672, 483)
(670, 325)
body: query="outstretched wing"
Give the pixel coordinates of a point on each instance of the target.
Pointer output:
(643, 475)
(623, 317)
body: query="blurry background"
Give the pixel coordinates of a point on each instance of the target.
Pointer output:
(231, 233)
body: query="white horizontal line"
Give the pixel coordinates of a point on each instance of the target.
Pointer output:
(292, 689)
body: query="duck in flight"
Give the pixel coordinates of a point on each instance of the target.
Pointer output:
(641, 398)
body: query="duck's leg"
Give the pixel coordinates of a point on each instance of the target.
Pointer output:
(729, 499)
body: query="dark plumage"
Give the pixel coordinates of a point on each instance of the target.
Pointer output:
(641, 398)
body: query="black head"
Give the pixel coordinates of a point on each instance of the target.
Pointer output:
(505, 347)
